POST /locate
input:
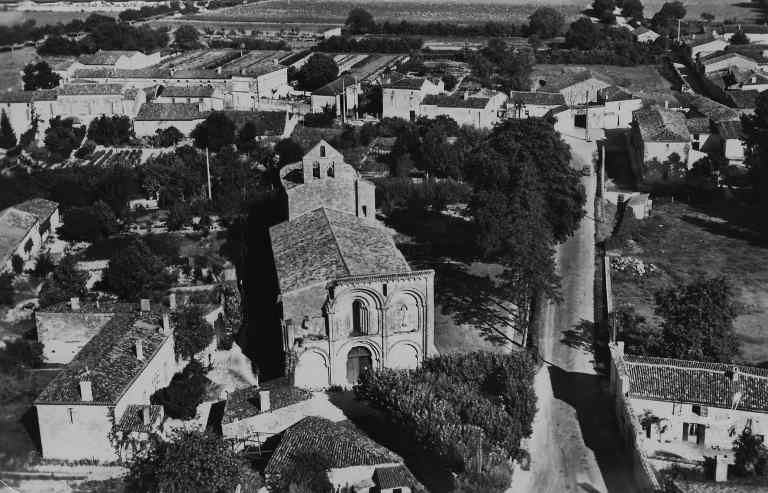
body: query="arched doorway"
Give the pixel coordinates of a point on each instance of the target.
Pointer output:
(403, 356)
(311, 371)
(359, 359)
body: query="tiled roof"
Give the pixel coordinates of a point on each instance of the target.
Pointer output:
(455, 101)
(393, 477)
(148, 73)
(41, 208)
(537, 98)
(412, 83)
(746, 28)
(340, 445)
(712, 109)
(91, 89)
(719, 57)
(335, 87)
(743, 99)
(105, 57)
(133, 418)
(186, 92)
(730, 130)
(702, 41)
(28, 96)
(91, 307)
(658, 125)
(14, 226)
(643, 30)
(698, 125)
(325, 244)
(110, 360)
(615, 93)
(170, 112)
(697, 382)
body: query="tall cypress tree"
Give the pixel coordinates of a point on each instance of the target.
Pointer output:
(7, 135)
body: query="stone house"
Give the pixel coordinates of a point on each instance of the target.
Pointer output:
(323, 179)
(530, 104)
(24, 228)
(690, 408)
(657, 134)
(348, 298)
(401, 99)
(645, 35)
(705, 46)
(354, 461)
(97, 406)
(479, 111)
(155, 116)
(341, 95)
(118, 59)
(208, 97)
(725, 61)
(733, 146)
(757, 33)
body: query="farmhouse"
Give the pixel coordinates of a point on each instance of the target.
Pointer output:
(479, 110)
(528, 104)
(103, 394)
(757, 33)
(348, 298)
(726, 61)
(341, 95)
(645, 35)
(401, 99)
(657, 134)
(705, 46)
(353, 460)
(24, 228)
(155, 116)
(692, 409)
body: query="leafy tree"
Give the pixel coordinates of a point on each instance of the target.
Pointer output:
(179, 216)
(450, 81)
(6, 289)
(215, 132)
(603, 10)
(167, 137)
(184, 393)
(17, 263)
(739, 38)
(632, 328)
(246, 137)
(665, 20)
(192, 332)
(85, 150)
(750, 454)
(111, 130)
(135, 271)
(89, 223)
(186, 37)
(7, 135)
(546, 22)
(289, 151)
(193, 461)
(67, 282)
(62, 137)
(20, 354)
(44, 265)
(39, 76)
(305, 472)
(319, 70)
(360, 21)
(633, 10)
(698, 321)
(707, 17)
(756, 130)
(583, 35)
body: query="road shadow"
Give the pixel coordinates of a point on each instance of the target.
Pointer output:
(31, 424)
(594, 409)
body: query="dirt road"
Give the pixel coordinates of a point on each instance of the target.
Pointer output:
(575, 445)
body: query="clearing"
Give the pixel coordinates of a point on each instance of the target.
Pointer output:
(682, 244)
(11, 65)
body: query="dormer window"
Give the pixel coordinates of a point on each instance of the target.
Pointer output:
(322, 151)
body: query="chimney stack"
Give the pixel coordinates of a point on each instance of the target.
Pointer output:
(139, 347)
(264, 404)
(144, 305)
(172, 301)
(74, 303)
(166, 324)
(86, 389)
(145, 415)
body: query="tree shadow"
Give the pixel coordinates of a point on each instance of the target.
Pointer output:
(594, 410)
(434, 235)
(727, 229)
(374, 424)
(581, 336)
(32, 426)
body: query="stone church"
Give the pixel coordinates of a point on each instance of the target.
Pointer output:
(349, 300)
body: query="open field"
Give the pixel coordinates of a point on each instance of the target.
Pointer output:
(466, 12)
(684, 244)
(11, 65)
(8, 17)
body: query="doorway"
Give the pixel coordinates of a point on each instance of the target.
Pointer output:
(359, 359)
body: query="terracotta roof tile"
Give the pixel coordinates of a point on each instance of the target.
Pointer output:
(170, 112)
(455, 101)
(658, 125)
(91, 89)
(537, 98)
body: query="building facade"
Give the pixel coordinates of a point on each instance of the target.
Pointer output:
(24, 228)
(401, 99)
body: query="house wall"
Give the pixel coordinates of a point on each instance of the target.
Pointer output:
(356, 475)
(662, 150)
(754, 38)
(321, 102)
(618, 114)
(63, 334)
(729, 63)
(582, 92)
(399, 103)
(144, 128)
(206, 104)
(707, 48)
(476, 117)
(84, 436)
(734, 151)
(156, 375)
(529, 110)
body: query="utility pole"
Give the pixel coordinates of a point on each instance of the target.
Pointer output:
(208, 172)
(679, 21)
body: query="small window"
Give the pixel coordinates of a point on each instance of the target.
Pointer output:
(322, 151)
(316, 169)
(365, 211)
(71, 415)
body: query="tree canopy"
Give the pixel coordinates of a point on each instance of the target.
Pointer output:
(192, 461)
(192, 333)
(583, 34)
(750, 454)
(111, 130)
(185, 392)
(62, 137)
(319, 70)
(215, 132)
(39, 76)
(135, 271)
(546, 22)
(632, 10)
(7, 135)
(187, 37)
(756, 132)
(360, 21)
(739, 38)
(603, 10)
(88, 223)
(65, 283)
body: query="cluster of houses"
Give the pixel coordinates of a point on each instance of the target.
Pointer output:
(24, 230)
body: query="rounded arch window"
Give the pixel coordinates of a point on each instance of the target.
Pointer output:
(360, 318)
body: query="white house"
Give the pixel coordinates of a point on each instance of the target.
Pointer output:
(155, 116)
(401, 99)
(726, 61)
(479, 111)
(658, 133)
(757, 33)
(208, 97)
(24, 228)
(645, 35)
(705, 46)
(342, 95)
(732, 135)
(530, 104)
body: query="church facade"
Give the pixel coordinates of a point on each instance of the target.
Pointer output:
(349, 300)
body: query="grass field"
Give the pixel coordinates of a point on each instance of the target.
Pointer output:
(684, 244)
(44, 18)
(466, 12)
(11, 65)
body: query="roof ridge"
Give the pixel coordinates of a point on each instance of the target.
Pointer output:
(336, 241)
(715, 367)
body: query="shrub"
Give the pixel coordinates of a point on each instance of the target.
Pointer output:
(43, 266)
(324, 119)
(85, 150)
(750, 454)
(167, 137)
(185, 392)
(192, 332)
(19, 354)
(401, 193)
(17, 263)
(111, 130)
(6, 289)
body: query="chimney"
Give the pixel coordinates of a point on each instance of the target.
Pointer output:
(74, 303)
(264, 405)
(86, 390)
(144, 305)
(139, 348)
(145, 415)
(172, 301)
(166, 324)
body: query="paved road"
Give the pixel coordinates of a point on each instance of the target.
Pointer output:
(575, 445)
